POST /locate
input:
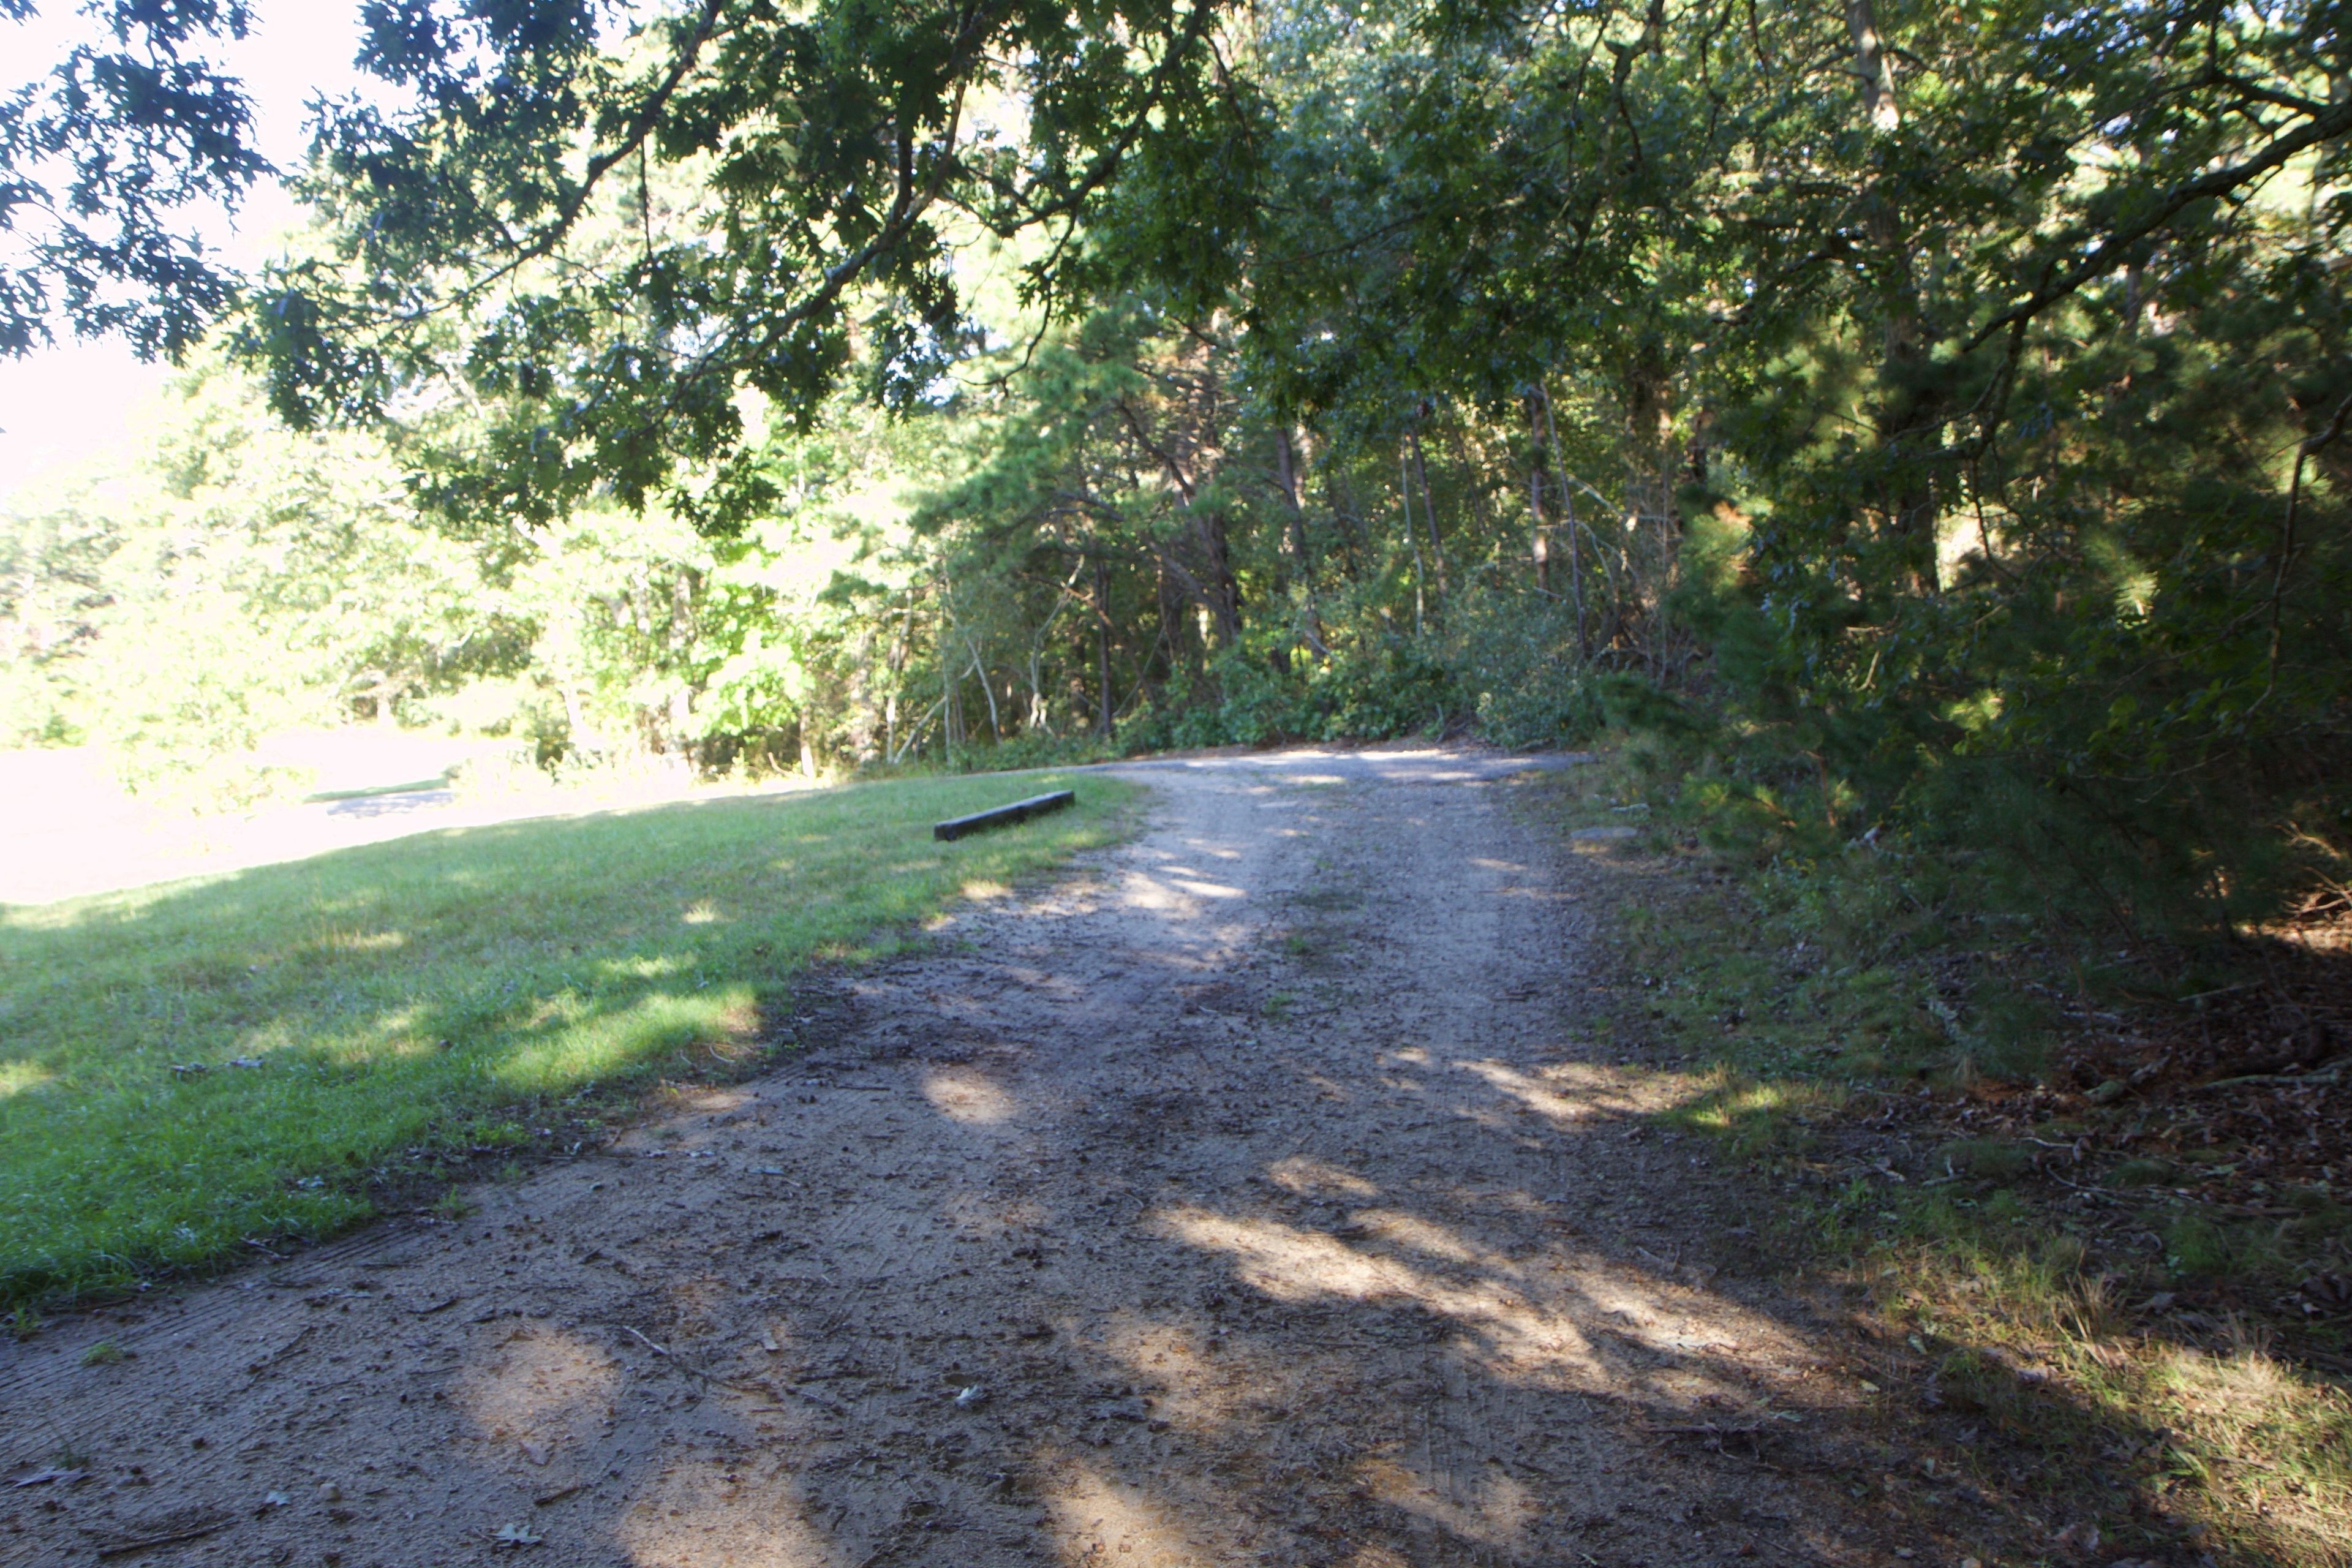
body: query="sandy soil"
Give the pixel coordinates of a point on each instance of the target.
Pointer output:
(1251, 1196)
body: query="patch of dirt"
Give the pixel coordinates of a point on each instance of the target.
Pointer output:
(1249, 1196)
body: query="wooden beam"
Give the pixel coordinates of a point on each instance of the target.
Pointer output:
(1019, 811)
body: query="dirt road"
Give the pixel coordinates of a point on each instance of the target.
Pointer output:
(1253, 1196)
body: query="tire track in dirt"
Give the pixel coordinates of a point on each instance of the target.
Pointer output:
(1247, 1198)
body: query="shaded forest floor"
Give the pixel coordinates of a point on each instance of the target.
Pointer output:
(2069, 1211)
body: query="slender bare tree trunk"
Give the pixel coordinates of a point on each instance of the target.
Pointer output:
(1102, 646)
(949, 709)
(1294, 533)
(1429, 519)
(987, 692)
(1567, 515)
(1539, 526)
(897, 669)
(1404, 494)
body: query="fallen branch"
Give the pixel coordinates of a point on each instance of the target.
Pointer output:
(1019, 811)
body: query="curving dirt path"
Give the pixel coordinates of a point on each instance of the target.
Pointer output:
(1249, 1198)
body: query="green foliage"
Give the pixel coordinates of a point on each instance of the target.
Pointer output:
(100, 158)
(190, 1064)
(1959, 458)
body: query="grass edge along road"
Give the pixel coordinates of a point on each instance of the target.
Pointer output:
(1850, 1038)
(191, 1069)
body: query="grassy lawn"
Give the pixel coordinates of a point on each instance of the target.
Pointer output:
(189, 1067)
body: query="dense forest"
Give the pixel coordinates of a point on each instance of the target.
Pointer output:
(1925, 422)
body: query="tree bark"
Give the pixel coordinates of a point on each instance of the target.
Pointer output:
(1873, 69)
(1102, 646)
(1412, 536)
(1429, 520)
(1294, 535)
(1567, 515)
(1539, 526)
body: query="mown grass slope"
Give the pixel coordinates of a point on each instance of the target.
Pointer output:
(187, 1067)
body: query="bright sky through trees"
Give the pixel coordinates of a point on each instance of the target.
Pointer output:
(75, 398)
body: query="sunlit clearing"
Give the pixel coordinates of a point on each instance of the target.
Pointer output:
(1098, 1519)
(967, 1098)
(2246, 1382)
(15, 1078)
(701, 912)
(1209, 890)
(981, 890)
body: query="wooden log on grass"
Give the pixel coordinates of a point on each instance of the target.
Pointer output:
(1019, 811)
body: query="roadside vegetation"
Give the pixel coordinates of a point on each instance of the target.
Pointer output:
(2134, 1278)
(196, 1071)
(1921, 435)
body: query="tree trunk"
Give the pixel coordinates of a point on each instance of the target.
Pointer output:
(1873, 69)
(1567, 515)
(1225, 592)
(1429, 520)
(1538, 525)
(1404, 495)
(951, 712)
(1102, 646)
(1294, 537)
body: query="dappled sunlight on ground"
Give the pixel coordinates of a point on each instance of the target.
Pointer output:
(967, 1097)
(1117, 1229)
(540, 1391)
(1099, 1518)
(1310, 1177)
(1571, 1091)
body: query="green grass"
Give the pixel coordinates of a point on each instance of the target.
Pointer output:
(435, 1000)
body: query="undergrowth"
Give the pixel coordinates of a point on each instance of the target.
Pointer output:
(2137, 1279)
